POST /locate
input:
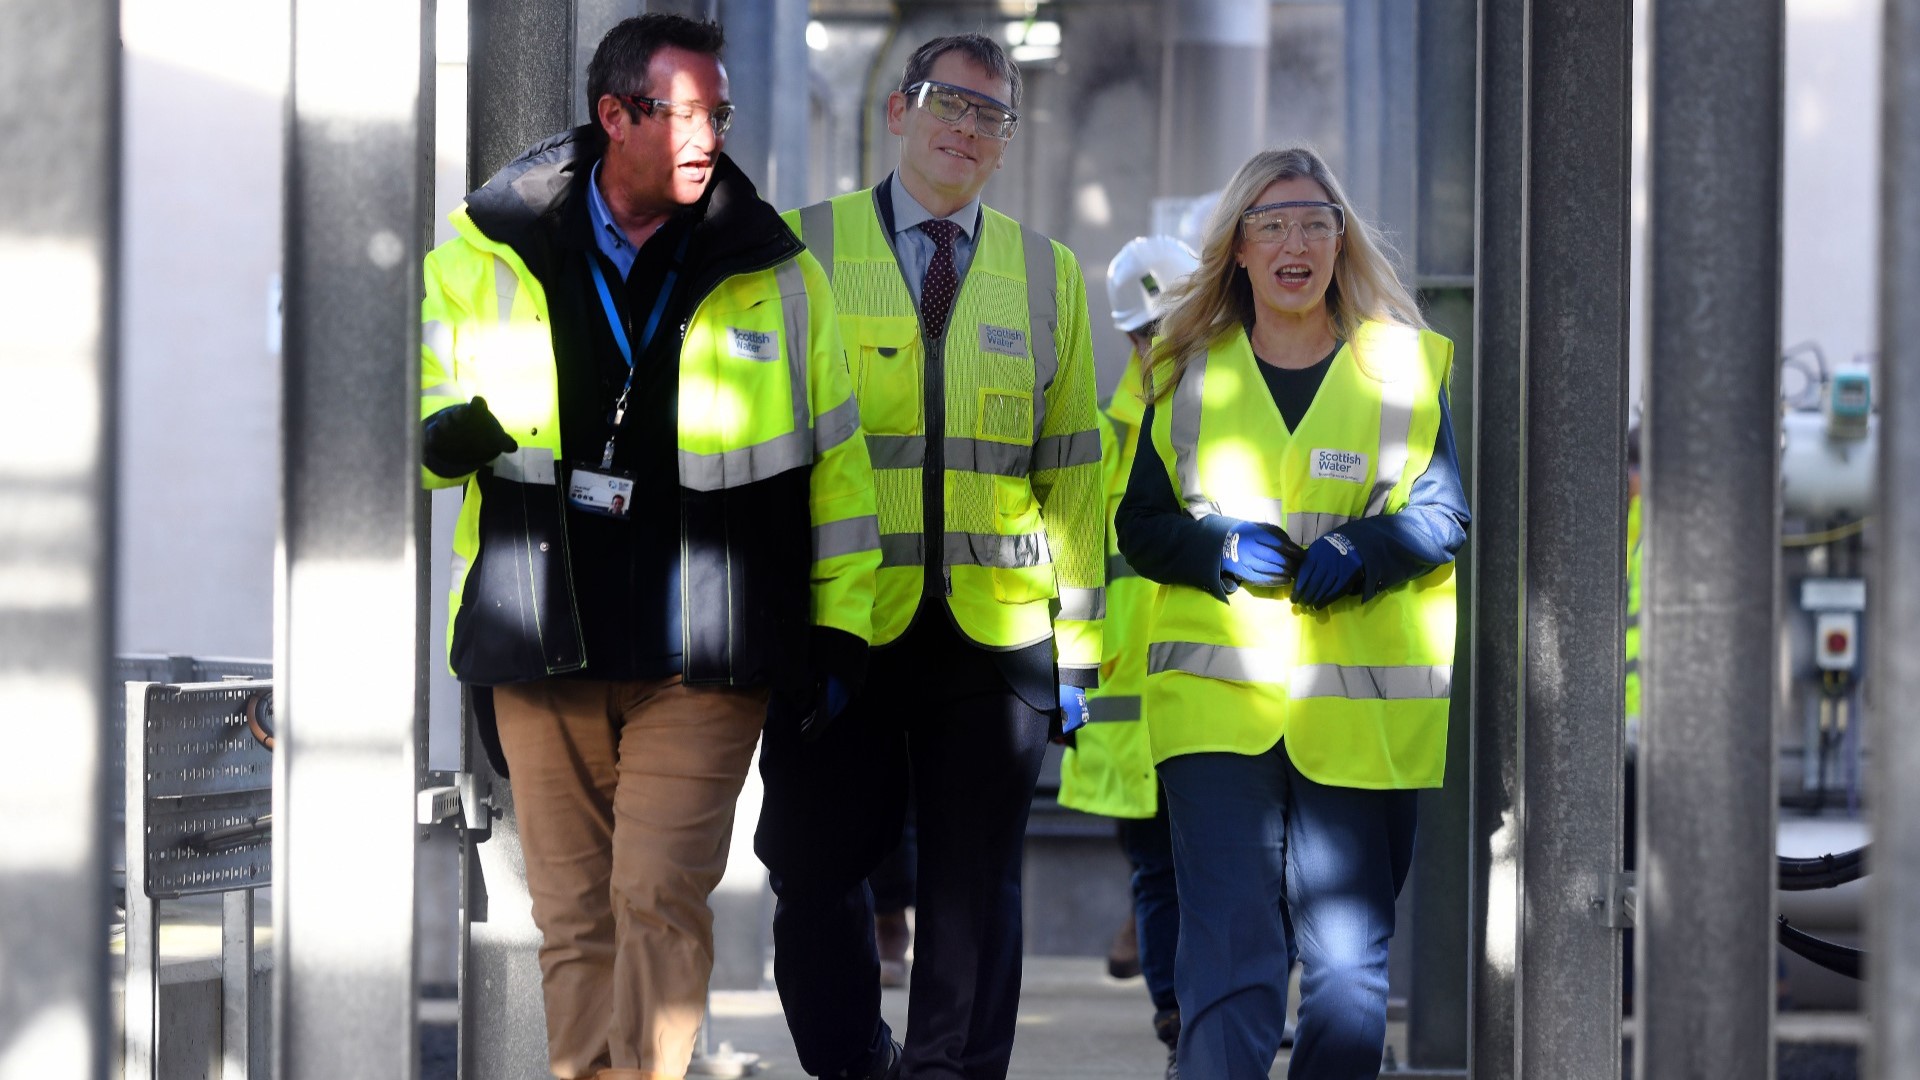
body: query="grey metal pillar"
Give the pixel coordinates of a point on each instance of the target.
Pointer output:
(1893, 916)
(1213, 95)
(1704, 949)
(1383, 53)
(60, 168)
(1552, 522)
(1495, 571)
(1442, 257)
(347, 647)
(521, 81)
(591, 21)
(767, 62)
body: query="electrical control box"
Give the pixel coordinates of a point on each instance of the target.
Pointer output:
(1849, 404)
(1836, 640)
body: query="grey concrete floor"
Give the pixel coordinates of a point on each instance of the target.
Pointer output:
(1075, 1022)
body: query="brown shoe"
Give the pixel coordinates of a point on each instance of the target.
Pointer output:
(1123, 956)
(891, 934)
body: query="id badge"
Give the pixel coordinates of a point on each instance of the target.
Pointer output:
(607, 492)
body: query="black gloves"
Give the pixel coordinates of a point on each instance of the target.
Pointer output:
(460, 438)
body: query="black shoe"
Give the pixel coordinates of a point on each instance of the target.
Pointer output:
(1166, 1027)
(888, 1068)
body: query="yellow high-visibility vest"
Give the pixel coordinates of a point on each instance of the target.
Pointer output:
(1634, 562)
(1359, 690)
(1109, 768)
(1021, 485)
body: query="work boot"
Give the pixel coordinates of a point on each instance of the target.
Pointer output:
(1123, 956)
(889, 1065)
(1166, 1027)
(891, 934)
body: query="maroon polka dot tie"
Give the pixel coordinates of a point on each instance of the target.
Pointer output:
(941, 283)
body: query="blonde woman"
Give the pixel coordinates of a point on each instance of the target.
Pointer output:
(1301, 508)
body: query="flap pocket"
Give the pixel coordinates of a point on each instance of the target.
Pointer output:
(886, 360)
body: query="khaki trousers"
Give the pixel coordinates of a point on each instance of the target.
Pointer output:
(625, 794)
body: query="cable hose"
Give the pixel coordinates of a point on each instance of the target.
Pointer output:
(1824, 871)
(1835, 958)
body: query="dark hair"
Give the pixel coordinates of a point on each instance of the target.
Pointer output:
(978, 48)
(619, 64)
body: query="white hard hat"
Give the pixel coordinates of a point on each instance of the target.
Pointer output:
(1140, 275)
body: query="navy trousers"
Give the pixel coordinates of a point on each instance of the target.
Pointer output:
(1148, 843)
(939, 710)
(1254, 840)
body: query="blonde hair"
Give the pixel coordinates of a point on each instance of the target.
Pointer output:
(1217, 298)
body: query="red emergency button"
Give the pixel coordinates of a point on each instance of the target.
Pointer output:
(1837, 641)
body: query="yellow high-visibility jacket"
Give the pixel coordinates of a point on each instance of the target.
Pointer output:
(1011, 450)
(1108, 769)
(769, 439)
(1359, 689)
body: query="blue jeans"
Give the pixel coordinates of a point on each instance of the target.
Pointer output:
(1254, 840)
(1156, 904)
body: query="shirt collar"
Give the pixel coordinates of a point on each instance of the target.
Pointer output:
(908, 213)
(608, 235)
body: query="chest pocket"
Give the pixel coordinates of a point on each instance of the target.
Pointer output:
(735, 387)
(886, 356)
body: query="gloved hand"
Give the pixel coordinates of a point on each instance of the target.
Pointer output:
(1256, 553)
(459, 439)
(1330, 568)
(1073, 710)
(829, 701)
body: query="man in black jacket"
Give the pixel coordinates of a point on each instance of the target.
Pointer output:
(633, 367)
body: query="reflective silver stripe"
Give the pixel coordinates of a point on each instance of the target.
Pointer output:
(1118, 709)
(816, 231)
(1187, 400)
(1396, 424)
(1043, 318)
(1083, 604)
(901, 549)
(1061, 451)
(849, 536)
(962, 455)
(1306, 527)
(1248, 508)
(793, 310)
(1371, 683)
(506, 283)
(837, 425)
(1118, 567)
(527, 465)
(736, 468)
(750, 464)
(1217, 661)
(897, 451)
(438, 336)
(445, 389)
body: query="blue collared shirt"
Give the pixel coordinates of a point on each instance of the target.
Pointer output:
(913, 248)
(611, 238)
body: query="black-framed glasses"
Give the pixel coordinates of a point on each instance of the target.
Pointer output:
(683, 115)
(1274, 222)
(950, 104)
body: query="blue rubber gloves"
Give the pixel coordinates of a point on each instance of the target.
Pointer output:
(1256, 553)
(1330, 569)
(1073, 709)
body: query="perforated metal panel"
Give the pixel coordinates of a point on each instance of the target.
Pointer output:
(203, 770)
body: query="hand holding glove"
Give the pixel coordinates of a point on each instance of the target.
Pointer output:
(1331, 567)
(1256, 553)
(459, 439)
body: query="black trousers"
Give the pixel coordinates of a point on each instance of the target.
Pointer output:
(940, 709)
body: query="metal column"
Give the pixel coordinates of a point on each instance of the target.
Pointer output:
(1551, 525)
(1213, 95)
(1441, 251)
(1383, 101)
(1704, 949)
(1893, 916)
(519, 92)
(347, 647)
(60, 167)
(766, 61)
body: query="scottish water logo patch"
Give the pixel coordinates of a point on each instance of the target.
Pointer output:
(754, 344)
(1003, 340)
(1347, 465)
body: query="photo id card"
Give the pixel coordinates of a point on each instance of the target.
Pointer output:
(607, 492)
